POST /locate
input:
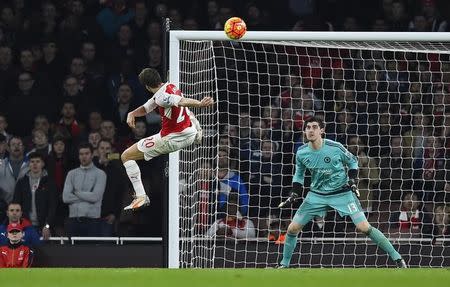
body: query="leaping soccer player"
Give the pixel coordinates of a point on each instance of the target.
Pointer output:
(179, 129)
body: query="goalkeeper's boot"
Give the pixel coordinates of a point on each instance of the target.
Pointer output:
(401, 263)
(281, 266)
(138, 202)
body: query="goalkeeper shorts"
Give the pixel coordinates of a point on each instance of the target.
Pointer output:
(317, 205)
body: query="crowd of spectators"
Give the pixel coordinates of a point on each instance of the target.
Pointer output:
(68, 77)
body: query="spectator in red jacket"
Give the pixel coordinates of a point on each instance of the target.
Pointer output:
(30, 235)
(412, 218)
(233, 225)
(15, 254)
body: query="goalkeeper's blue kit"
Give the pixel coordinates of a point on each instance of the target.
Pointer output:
(328, 166)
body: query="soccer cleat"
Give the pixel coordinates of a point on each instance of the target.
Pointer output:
(138, 202)
(401, 263)
(281, 266)
(281, 239)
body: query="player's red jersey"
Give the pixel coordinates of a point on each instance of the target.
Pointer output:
(174, 119)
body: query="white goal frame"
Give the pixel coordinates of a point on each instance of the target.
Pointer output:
(174, 68)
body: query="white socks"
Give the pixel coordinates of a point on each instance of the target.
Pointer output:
(134, 174)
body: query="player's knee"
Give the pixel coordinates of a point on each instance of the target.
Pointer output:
(294, 228)
(363, 227)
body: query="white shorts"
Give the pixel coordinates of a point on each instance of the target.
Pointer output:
(156, 145)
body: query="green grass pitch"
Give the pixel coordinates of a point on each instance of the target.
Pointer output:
(364, 277)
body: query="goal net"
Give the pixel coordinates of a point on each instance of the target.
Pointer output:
(386, 99)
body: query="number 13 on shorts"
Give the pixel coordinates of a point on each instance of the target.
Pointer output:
(352, 207)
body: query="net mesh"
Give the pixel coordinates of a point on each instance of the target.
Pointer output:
(387, 102)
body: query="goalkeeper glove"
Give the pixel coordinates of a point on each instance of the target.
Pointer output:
(297, 188)
(353, 187)
(291, 199)
(352, 175)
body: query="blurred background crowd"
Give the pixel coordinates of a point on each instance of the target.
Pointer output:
(68, 76)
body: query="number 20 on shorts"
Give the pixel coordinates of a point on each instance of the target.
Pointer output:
(148, 143)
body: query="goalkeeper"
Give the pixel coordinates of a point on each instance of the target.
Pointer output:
(333, 185)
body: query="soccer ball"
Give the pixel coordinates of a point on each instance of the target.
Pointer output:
(235, 28)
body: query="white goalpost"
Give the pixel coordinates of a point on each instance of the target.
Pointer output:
(384, 96)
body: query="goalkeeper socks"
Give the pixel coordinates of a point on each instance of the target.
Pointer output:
(289, 246)
(383, 243)
(134, 174)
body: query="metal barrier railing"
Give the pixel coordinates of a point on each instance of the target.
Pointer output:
(116, 240)
(122, 240)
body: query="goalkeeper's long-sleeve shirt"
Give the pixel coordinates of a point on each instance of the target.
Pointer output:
(328, 166)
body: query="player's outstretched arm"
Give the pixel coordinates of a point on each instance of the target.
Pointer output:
(192, 103)
(131, 117)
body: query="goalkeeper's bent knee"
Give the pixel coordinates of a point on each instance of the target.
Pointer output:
(294, 230)
(368, 231)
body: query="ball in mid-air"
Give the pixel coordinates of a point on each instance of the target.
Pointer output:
(235, 28)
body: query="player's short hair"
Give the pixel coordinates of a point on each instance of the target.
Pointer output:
(36, 130)
(36, 155)
(85, 145)
(58, 137)
(25, 49)
(14, 137)
(48, 40)
(150, 77)
(15, 203)
(314, 119)
(105, 141)
(25, 73)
